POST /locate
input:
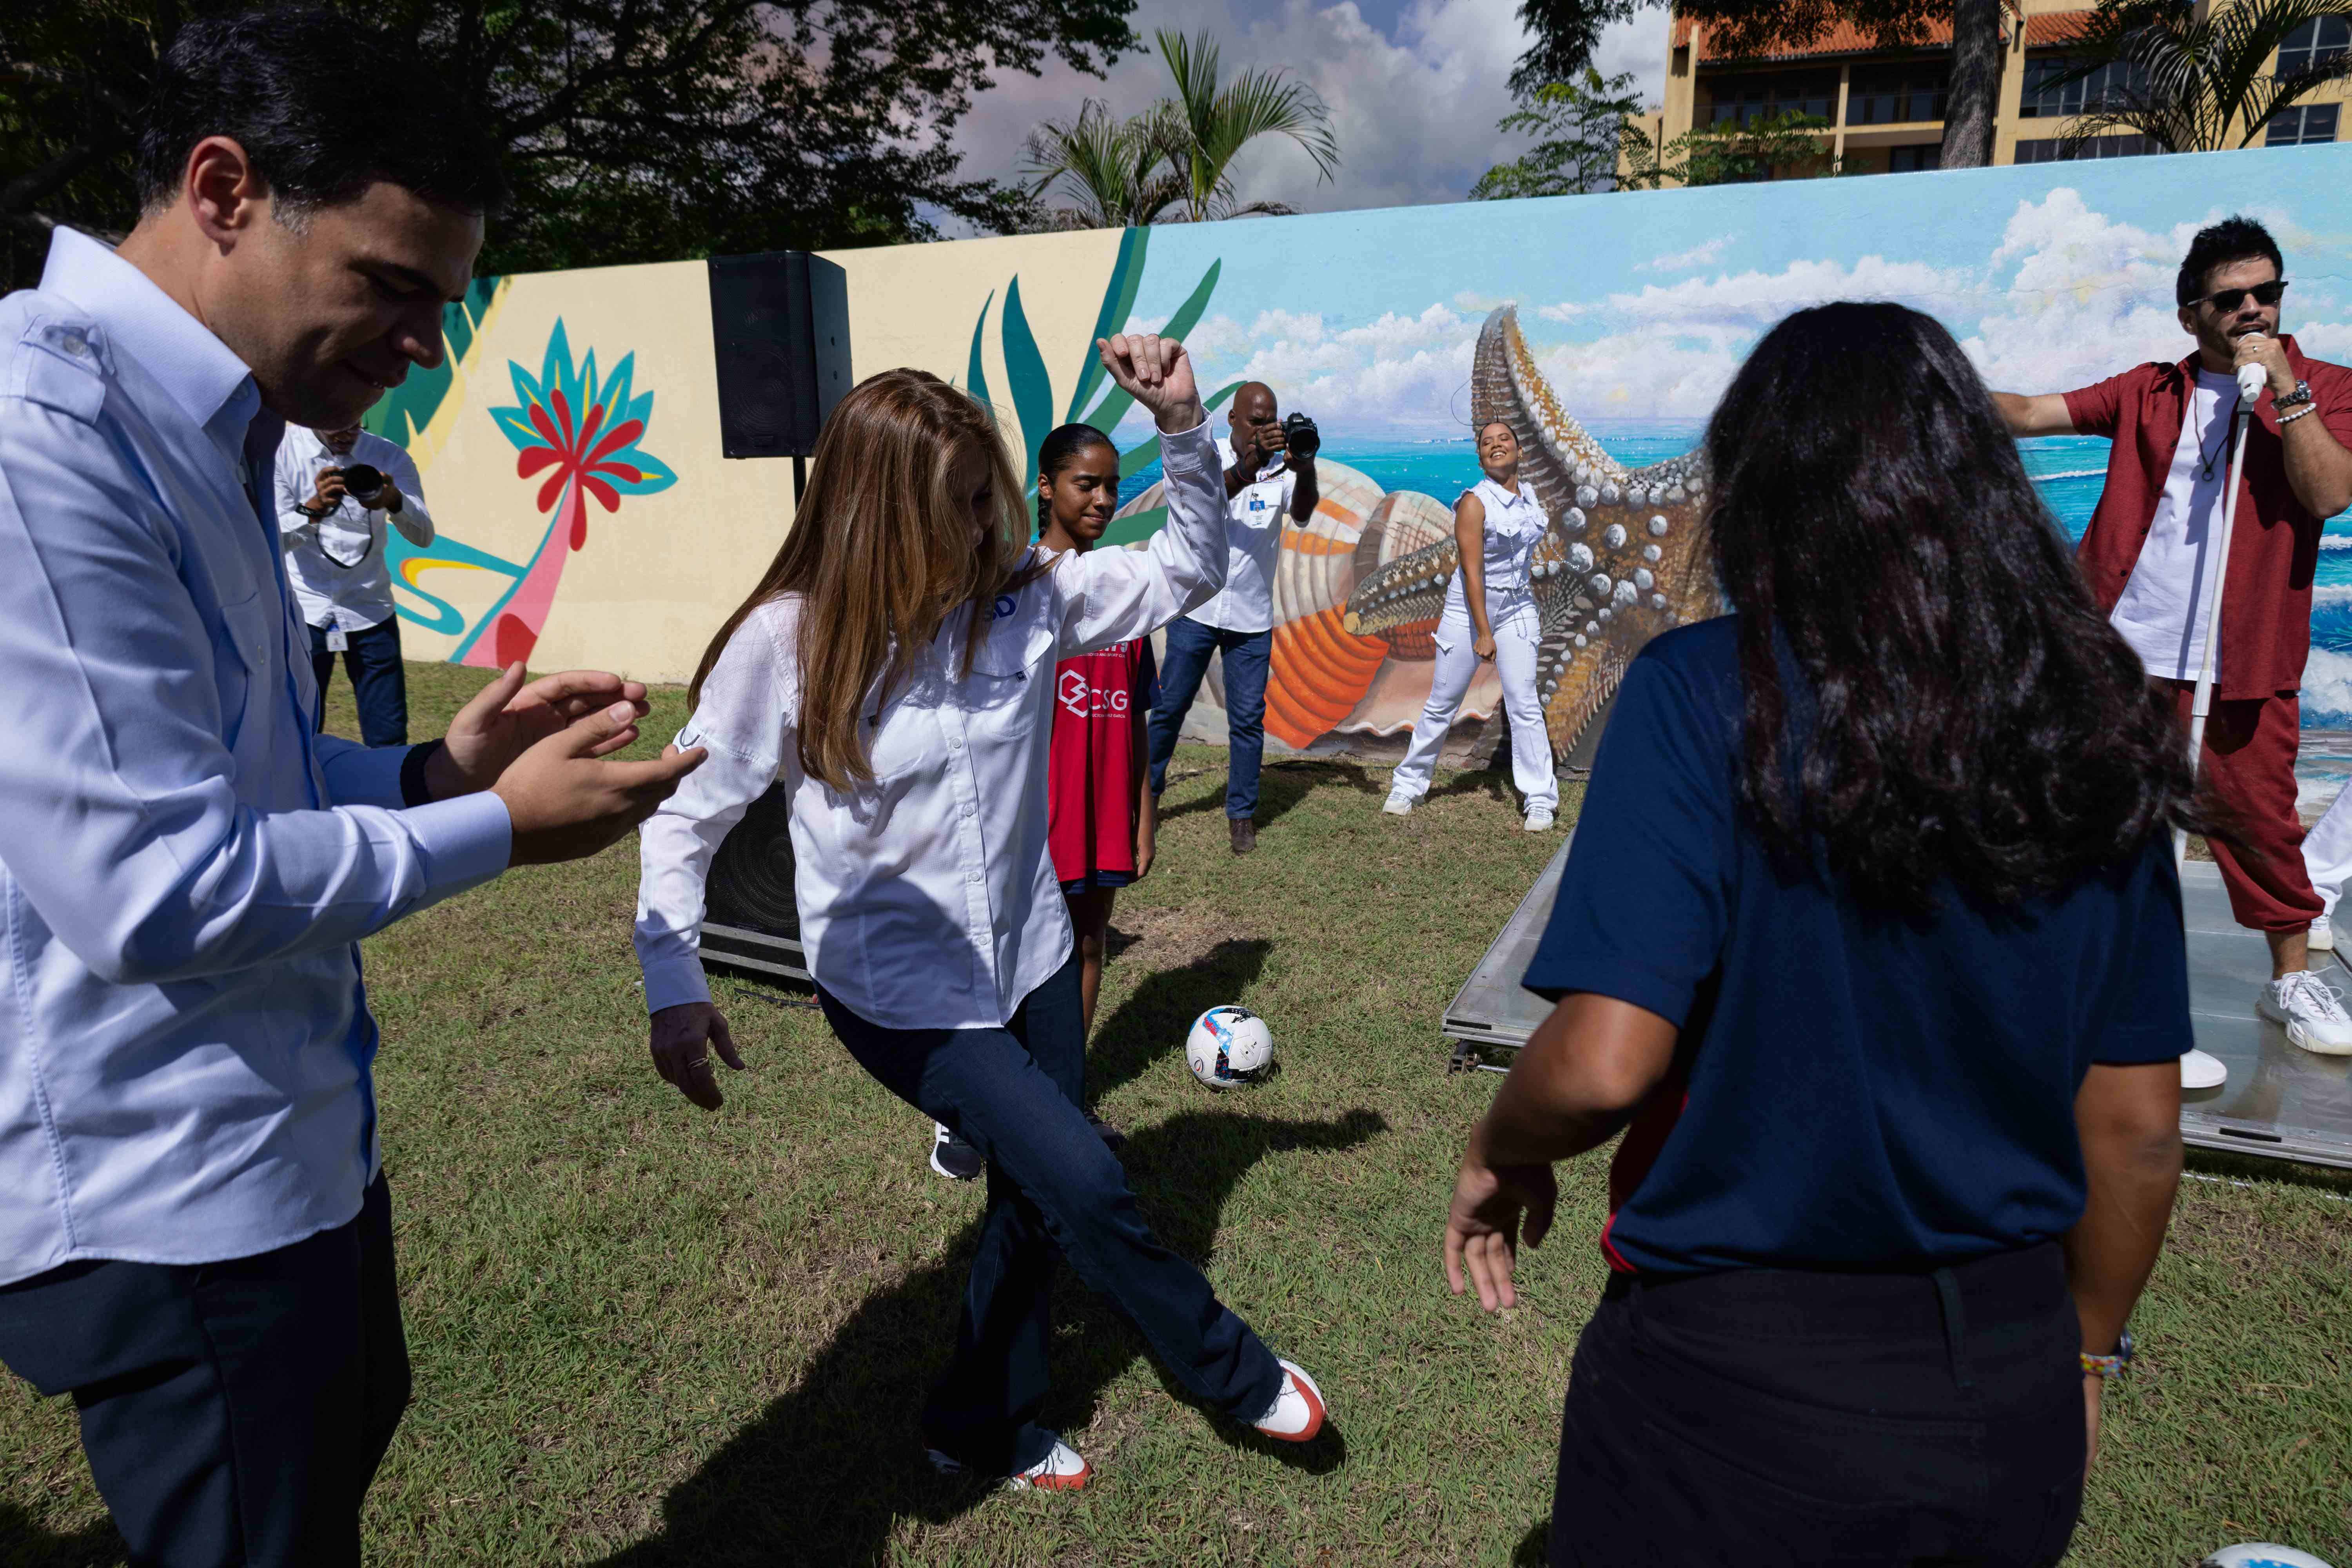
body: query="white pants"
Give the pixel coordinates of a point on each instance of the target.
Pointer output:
(2327, 851)
(1517, 628)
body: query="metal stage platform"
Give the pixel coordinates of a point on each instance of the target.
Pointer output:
(2279, 1100)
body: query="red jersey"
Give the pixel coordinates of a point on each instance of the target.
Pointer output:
(1094, 779)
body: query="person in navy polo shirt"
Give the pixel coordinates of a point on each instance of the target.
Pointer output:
(1870, 940)
(2148, 560)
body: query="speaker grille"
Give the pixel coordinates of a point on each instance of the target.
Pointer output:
(751, 875)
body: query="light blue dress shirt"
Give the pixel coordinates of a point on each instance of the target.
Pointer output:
(185, 869)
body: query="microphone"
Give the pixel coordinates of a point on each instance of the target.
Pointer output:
(2251, 378)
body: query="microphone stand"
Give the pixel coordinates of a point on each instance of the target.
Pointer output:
(2202, 705)
(2199, 1068)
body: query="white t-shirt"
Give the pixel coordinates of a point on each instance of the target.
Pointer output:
(2163, 610)
(1254, 519)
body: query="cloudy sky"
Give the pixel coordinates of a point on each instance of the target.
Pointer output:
(1414, 87)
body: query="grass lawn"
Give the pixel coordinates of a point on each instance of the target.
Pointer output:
(646, 1335)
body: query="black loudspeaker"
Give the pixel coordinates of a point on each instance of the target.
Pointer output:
(780, 325)
(751, 921)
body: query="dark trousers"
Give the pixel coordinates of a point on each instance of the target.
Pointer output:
(232, 1412)
(2249, 760)
(1771, 1419)
(1053, 1190)
(1246, 653)
(378, 682)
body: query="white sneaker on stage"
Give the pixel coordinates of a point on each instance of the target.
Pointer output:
(2201, 1069)
(2323, 936)
(1398, 803)
(2312, 1011)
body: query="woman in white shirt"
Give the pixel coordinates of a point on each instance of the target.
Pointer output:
(894, 673)
(1490, 613)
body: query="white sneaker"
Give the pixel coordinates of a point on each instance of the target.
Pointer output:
(1297, 1411)
(2203, 1069)
(1538, 821)
(1061, 1470)
(1398, 803)
(2312, 1012)
(2323, 936)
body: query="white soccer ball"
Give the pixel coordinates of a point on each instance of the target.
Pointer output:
(2257, 1555)
(1228, 1045)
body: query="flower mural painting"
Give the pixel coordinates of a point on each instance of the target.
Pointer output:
(582, 438)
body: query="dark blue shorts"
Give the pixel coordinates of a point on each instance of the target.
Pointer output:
(1093, 880)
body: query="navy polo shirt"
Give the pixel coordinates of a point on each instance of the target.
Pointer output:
(1851, 1089)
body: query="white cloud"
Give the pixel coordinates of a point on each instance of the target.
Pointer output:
(1702, 254)
(1414, 102)
(1729, 305)
(1396, 371)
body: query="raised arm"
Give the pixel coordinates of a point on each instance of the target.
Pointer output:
(1110, 595)
(2039, 413)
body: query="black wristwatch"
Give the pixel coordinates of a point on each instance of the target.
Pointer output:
(2295, 399)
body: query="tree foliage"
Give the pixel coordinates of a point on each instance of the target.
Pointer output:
(1174, 161)
(1583, 127)
(1771, 147)
(2197, 79)
(636, 130)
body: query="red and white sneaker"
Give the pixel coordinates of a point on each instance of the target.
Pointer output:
(1297, 1411)
(1061, 1470)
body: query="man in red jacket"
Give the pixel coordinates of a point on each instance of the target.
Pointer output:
(2147, 558)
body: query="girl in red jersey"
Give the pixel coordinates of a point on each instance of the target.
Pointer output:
(1103, 819)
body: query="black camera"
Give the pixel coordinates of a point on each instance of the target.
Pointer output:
(1299, 434)
(362, 481)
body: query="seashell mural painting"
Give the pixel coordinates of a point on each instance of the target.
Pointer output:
(1358, 590)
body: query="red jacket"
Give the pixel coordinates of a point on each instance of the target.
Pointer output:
(2266, 602)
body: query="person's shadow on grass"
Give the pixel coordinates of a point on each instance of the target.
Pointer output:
(823, 1473)
(1282, 784)
(25, 1545)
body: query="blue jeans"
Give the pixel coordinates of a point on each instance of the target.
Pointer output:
(1053, 1190)
(378, 681)
(1190, 644)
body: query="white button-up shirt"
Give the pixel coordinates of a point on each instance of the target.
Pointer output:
(185, 1044)
(1514, 526)
(1253, 522)
(336, 561)
(927, 897)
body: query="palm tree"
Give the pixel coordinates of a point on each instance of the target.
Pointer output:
(1205, 127)
(1117, 172)
(2194, 79)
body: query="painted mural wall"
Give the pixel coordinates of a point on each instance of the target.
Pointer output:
(571, 451)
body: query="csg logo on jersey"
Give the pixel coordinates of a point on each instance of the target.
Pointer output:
(1087, 700)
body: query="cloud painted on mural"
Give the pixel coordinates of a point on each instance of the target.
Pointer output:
(2063, 295)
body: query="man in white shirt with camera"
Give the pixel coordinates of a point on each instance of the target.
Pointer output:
(338, 491)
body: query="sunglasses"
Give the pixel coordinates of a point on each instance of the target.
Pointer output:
(2228, 300)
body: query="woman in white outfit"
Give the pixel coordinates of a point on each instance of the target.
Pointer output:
(1490, 614)
(894, 673)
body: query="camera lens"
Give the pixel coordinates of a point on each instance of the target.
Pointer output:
(362, 479)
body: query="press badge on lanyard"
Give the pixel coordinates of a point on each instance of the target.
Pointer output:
(337, 640)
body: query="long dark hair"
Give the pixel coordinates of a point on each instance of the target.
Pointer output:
(1970, 713)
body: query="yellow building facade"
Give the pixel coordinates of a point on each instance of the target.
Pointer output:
(1887, 106)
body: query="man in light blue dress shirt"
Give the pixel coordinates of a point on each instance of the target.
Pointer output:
(194, 1229)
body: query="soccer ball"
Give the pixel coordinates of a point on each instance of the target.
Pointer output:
(2258, 1554)
(1228, 1045)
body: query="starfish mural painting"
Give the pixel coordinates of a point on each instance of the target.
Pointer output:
(582, 438)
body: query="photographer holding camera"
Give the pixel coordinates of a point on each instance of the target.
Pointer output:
(335, 490)
(1269, 464)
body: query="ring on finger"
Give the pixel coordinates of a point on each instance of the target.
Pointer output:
(698, 1062)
